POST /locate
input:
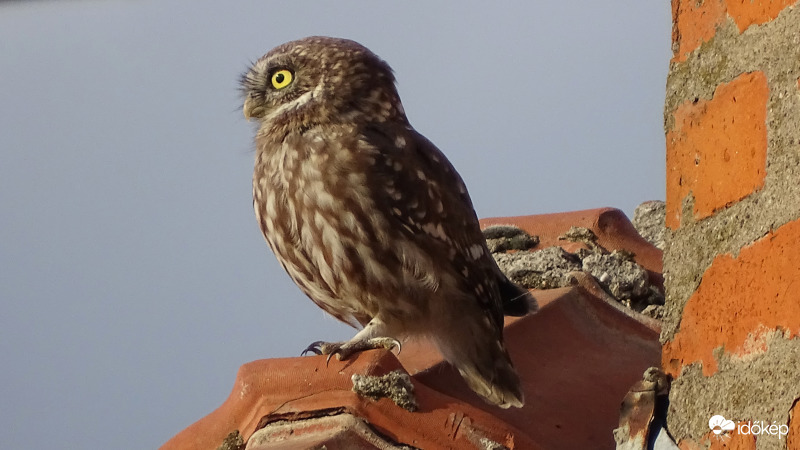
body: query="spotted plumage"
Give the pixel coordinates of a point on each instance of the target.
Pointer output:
(369, 218)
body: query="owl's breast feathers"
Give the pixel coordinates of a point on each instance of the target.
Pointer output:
(373, 212)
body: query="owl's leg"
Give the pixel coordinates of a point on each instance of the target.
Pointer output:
(371, 337)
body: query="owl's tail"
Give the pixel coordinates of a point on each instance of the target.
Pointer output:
(516, 300)
(484, 364)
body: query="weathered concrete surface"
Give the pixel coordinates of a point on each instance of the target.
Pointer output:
(732, 311)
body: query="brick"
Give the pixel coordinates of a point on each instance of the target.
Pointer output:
(711, 441)
(688, 445)
(694, 23)
(793, 438)
(731, 440)
(739, 300)
(748, 12)
(717, 148)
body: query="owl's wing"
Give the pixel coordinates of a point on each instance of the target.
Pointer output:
(425, 198)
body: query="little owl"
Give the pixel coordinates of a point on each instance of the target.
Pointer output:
(369, 218)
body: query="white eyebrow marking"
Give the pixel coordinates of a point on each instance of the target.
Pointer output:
(294, 104)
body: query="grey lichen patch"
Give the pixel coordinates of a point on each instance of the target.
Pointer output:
(233, 441)
(542, 269)
(761, 388)
(654, 311)
(617, 272)
(649, 219)
(582, 235)
(623, 278)
(773, 48)
(501, 238)
(395, 385)
(488, 444)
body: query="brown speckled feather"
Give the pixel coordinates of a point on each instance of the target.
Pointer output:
(368, 217)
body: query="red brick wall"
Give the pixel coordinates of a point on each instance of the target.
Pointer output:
(732, 265)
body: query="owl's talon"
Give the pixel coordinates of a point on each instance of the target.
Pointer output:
(393, 344)
(344, 350)
(315, 347)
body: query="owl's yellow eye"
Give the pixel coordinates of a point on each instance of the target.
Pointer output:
(281, 79)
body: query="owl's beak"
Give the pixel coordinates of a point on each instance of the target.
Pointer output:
(252, 108)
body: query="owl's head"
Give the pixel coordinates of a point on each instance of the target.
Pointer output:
(320, 80)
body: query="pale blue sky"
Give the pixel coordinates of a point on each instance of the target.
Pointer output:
(133, 278)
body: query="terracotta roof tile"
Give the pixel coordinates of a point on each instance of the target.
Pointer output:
(577, 358)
